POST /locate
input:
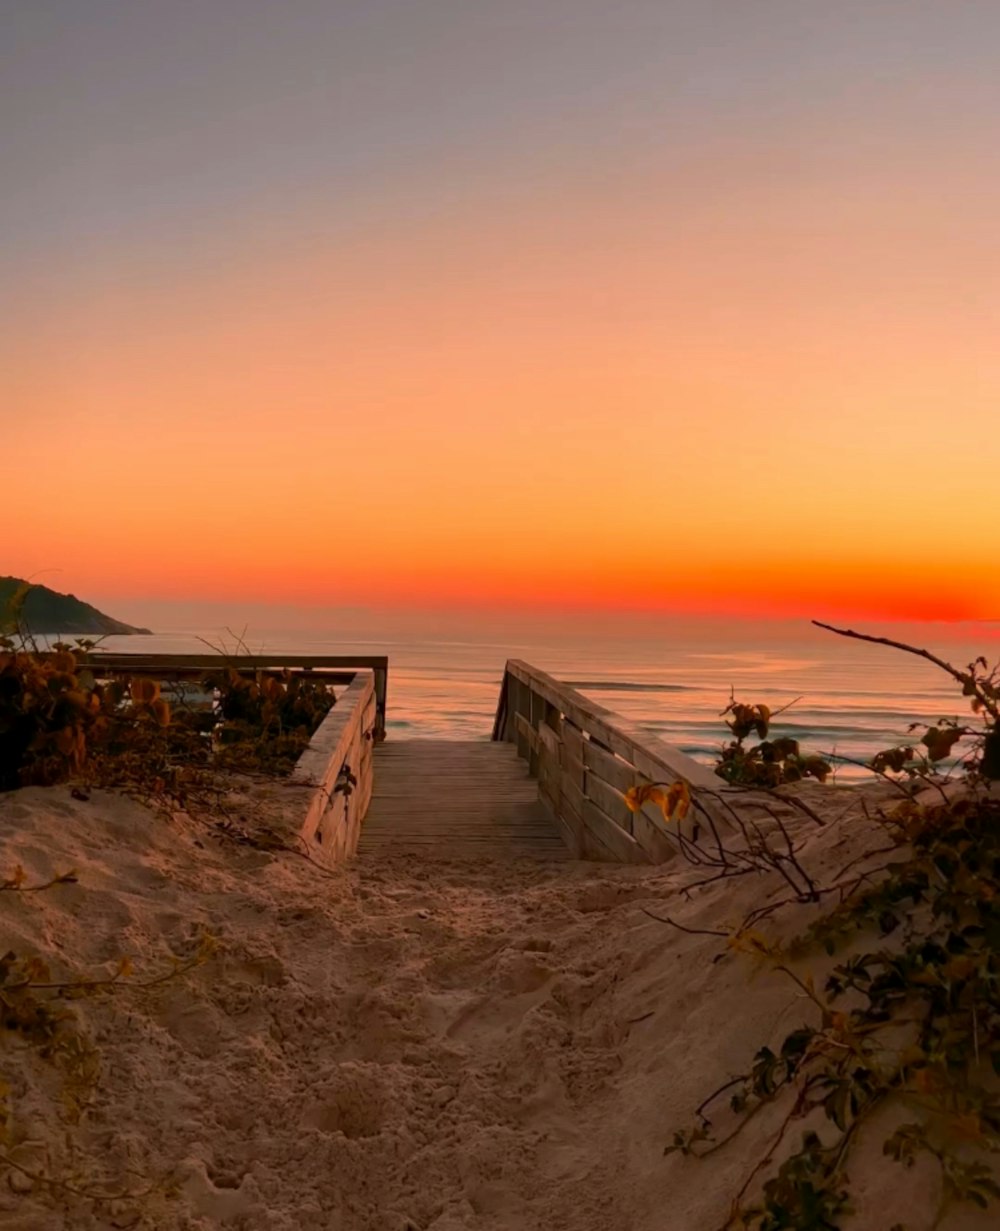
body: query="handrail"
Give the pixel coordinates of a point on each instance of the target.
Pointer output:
(337, 770)
(586, 757)
(336, 668)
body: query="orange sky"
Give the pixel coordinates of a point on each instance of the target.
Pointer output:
(753, 371)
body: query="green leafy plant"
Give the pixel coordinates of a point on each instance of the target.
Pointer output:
(60, 720)
(768, 763)
(49, 713)
(912, 1022)
(266, 722)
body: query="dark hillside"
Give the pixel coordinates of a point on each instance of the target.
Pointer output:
(48, 611)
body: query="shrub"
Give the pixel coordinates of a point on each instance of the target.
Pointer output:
(769, 763)
(266, 722)
(58, 722)
(911, 1022)
(49, 714)
(980, 683)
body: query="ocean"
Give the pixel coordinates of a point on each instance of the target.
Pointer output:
(672, 675)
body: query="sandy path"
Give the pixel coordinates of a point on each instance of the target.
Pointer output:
(401, 1046)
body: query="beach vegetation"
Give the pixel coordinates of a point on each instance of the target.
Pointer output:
(906, 1023)
(768, 762)
(60, 720)
(975, 744)
(265, 723)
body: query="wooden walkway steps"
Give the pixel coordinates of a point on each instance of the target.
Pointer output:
(456, 799)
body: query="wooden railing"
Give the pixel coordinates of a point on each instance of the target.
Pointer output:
(337, 770)
(585, 758)
(334, 668)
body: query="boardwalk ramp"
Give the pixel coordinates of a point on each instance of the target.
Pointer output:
(457, 799)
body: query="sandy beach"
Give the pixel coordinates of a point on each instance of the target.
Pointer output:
(396, 1046)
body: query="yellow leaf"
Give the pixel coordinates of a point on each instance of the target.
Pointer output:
(636, 796)
(678, 801)
(674, 803)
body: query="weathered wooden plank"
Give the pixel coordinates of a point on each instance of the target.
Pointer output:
(617, 733)
(570, 829)
(352, 809)
(527, 738)
(550, 738)
(582, 713)
(536, 708)
(610, 801)
(115, 661)
(653, 759)
(525, 729)
(549, 770)
(611, 769)
(573, 741)
(650, 832)
(572, 768)
(522, 698)
(455, 800)
(614, 841)
(549, 791)
(332, 817)
(571, 794)
(183, 670)
(503, 721)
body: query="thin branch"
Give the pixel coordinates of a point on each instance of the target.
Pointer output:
(726, 1085)
(962, 677)
(880, 773)
(681, 928)
(63, 878)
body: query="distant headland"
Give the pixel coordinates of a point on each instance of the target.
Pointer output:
(46, 611)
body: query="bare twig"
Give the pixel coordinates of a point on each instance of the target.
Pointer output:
(681, 928)
(63, 878)
(962, 677)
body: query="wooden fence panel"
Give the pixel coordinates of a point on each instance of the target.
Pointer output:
(586, 758)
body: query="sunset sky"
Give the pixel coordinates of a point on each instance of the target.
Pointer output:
(660, 305)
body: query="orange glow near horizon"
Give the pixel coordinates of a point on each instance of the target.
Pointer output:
(752, 377)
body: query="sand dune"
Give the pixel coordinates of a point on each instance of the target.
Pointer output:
(397, 1046)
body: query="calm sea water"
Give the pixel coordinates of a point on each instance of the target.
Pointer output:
(673, 676)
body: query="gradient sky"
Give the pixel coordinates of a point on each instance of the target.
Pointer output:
(659, 305)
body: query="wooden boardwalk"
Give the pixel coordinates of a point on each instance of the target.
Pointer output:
(555, 782)
(455, 799)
